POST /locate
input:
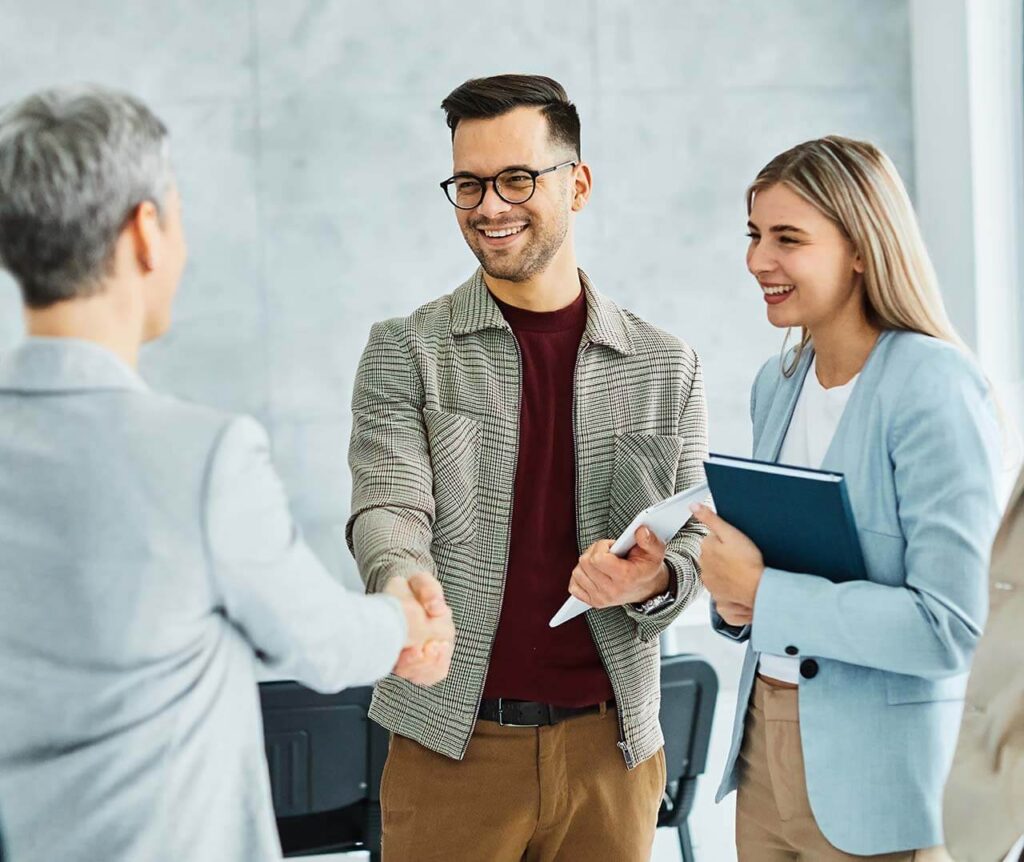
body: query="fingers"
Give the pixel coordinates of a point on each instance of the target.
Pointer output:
(439, 629)
(426, 666)
(709, 518)
(427, 615)
(583, 588)
(592, 565)
(602, 579)
(650, 543)
(428, 591)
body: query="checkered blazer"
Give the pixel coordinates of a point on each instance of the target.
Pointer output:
(435, 436)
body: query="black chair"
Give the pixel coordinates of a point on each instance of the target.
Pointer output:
(689, 689)
(326, 758)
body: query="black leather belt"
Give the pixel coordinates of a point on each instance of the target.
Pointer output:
(528, 713)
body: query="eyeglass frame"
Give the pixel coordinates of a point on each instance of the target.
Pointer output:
(494, 183)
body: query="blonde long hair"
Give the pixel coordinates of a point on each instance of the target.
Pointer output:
(856, 185)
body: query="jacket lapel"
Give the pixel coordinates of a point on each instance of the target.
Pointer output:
(856, 408)
(769, 443)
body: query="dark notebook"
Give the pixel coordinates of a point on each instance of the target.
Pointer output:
(800, 519)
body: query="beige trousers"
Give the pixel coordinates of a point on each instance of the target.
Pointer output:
(547, 794)
(774, 821)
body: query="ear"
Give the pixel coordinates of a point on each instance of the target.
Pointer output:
(858, 264)
(144, 227)
(582, 186)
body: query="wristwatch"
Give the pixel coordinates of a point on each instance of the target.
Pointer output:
(655, 603)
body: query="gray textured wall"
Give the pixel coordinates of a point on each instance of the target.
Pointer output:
(309, 144)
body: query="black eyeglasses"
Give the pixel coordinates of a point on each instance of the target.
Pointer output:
(512, 185)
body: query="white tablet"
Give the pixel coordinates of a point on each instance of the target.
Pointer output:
(664, 519)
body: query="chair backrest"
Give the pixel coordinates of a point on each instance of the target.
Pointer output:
(689, 689)
(318, 747)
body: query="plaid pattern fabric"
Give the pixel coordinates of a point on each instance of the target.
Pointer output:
(435, 438)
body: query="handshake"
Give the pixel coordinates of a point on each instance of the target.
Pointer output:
(430, 637)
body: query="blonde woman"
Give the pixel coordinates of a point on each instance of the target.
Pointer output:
(851, 693)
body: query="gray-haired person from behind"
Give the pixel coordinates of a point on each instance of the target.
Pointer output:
(148, 558)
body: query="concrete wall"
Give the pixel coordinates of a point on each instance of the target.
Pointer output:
(309, 145)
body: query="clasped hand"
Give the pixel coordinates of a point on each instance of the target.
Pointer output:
(603, 580)
(427, 655)
(731, 567)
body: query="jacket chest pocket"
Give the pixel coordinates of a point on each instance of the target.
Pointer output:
(644, 473)
(454, 442)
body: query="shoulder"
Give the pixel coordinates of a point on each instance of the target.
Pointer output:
(220, 432)
(430, 323)
(921, 368)
(434, 318)
(242, 449)
(650, 342)
(178, 419)
(178, 443)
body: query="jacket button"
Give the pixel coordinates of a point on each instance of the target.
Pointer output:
(791, 650)
(808, 668)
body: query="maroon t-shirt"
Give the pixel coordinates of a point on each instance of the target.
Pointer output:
(530, 660)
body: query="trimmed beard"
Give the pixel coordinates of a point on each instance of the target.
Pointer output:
(530, 261)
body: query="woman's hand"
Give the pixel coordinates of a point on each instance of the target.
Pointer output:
(731, 567)
(735, 614)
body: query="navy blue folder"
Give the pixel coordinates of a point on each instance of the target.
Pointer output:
(799, 518)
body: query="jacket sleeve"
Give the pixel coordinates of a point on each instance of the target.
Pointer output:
(683, 551)
(944, 446)
(302, 623)
(391, 526)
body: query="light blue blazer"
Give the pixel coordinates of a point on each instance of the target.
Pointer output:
(147, 555)
(919, 445)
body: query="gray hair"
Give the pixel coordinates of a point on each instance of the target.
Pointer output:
(75, 162)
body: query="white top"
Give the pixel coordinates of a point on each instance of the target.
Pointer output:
(810, 433)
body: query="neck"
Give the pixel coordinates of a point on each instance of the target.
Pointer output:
(842, 347)
(553, 289)
(104, 319)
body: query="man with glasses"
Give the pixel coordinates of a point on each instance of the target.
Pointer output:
(498, 432)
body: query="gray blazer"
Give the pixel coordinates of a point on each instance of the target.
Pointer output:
(146, 555)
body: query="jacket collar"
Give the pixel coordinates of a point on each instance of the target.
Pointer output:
(473, 310)
(64, 365)
(784, 402)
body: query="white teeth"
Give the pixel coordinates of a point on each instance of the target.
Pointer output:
(509, 231)
(777, 289)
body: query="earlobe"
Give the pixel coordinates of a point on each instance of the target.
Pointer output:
(583, 187)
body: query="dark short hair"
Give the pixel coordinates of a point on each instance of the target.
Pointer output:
(486, 98)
